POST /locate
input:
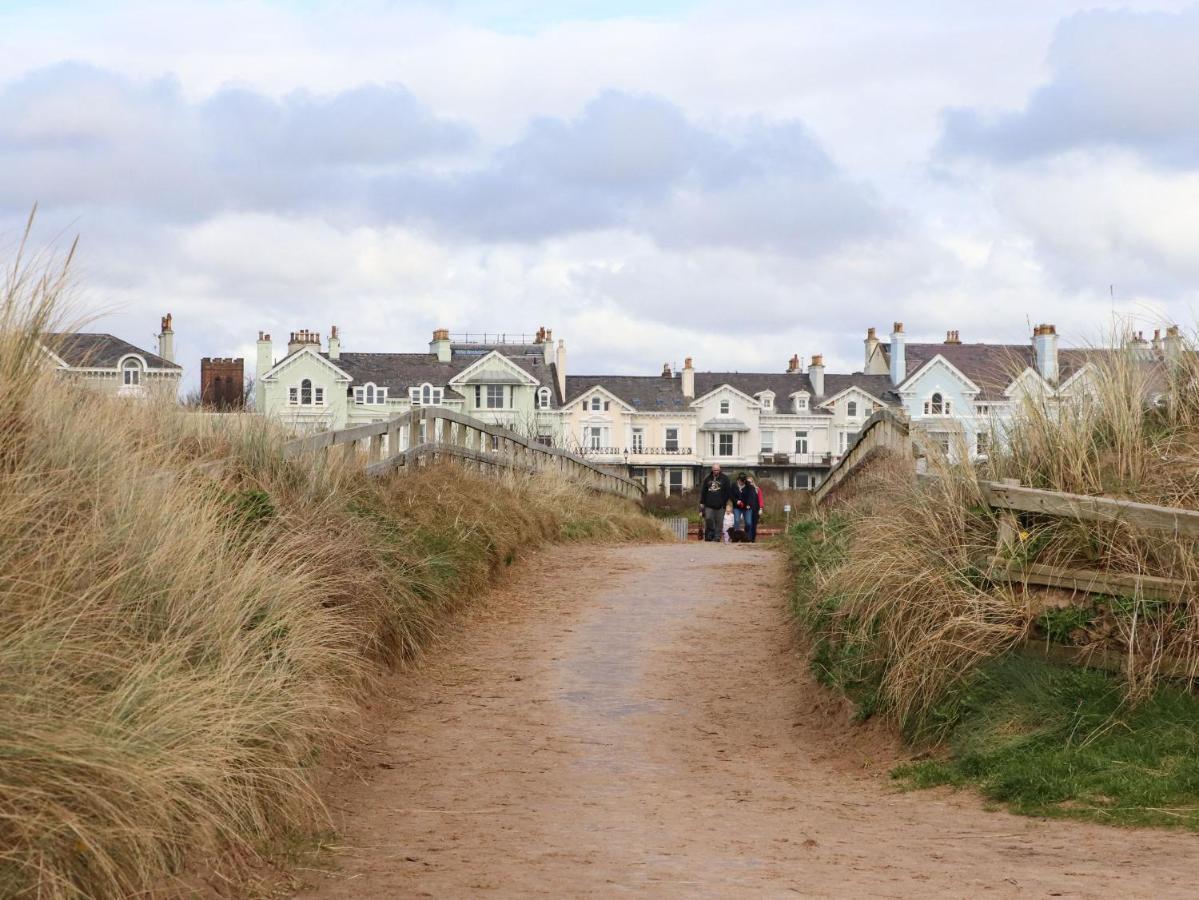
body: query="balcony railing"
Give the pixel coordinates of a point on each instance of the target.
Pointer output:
(796, 459)
(634, 451)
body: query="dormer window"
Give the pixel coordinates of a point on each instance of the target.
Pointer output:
(542, 398)
(425, 395)
(725, 406)
(799, 403)
(767, 401)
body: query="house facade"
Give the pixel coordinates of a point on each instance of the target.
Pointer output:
(964, 395)
(665, 430)
(505, 380)
(113, 366)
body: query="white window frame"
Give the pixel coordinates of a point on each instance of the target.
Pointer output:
(131, 373)
(666, 439)
(671, 487)
(597, 403)
(851, 408)
(726, 407)
(721, 437)
(308, 382)
(489, 396)
(801, 442)
(800, 403)
(767, 441)
(637, 441)
(543, 398)
(946, 405)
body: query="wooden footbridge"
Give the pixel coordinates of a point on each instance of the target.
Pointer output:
(430, 434)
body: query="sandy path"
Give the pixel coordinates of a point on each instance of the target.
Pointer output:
(622, 721)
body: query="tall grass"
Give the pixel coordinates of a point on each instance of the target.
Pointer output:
(178, 653)
(910, 594)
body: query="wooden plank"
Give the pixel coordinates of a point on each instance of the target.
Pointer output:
(359, 432)
(1166, 519)
(309, 443)
(1092, 581)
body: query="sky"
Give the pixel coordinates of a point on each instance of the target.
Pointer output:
(732, 181)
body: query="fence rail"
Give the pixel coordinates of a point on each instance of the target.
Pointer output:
(428, 435)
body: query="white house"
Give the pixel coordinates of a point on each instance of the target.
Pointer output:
(114, 366)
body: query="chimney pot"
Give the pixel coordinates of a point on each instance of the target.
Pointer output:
(897, 328)
(870, 332)
(666, 373)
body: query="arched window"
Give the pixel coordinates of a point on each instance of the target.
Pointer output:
(306, 392)
(131, 371)
(426, 395)
(936, 405)
(543, 398)
(368, 393)
(851, 408)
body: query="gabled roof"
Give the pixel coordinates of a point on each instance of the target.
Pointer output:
(400, 371)
(310, 352)
(645, 393)
(851, 389)
(519, 374)
(102, 351)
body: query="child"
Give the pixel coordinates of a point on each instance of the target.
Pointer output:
(728, 522)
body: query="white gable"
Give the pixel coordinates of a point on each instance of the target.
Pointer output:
(475, 372)
(305, 354)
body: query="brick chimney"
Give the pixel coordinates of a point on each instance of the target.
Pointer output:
(793, 366)
(688, 379)
(1044, 341)
(899, 362)
(298, 340)
(816, 374)
(871, 343)
(666, 373)
(166, 340)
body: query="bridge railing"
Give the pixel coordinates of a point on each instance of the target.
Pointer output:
(432, 434)
(887, 431)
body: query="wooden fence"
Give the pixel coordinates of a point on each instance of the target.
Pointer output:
(431, 434)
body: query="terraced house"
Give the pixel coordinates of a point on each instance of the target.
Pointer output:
(664, 429)
(962, 395)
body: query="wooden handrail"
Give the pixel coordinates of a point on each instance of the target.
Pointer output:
(885, 429)
(511, 450)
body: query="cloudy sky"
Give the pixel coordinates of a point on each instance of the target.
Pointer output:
(735, 181)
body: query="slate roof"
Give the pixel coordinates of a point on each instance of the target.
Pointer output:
(991, 366)
(400, 371)
(89, 350)
(648, 393)
(653, 393)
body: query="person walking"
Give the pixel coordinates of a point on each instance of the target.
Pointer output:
(748, 504)
(715, 492)
(753, 527)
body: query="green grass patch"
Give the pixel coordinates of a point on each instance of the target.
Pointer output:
(1052, 740)
(1035, 737)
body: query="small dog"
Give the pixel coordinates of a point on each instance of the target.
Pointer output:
(738, 536)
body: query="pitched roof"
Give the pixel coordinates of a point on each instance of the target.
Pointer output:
(99, 350)
(400, 371)
(992, 367)
(648, 393)
(653, 393)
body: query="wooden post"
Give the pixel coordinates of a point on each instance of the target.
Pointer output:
(1009, 528)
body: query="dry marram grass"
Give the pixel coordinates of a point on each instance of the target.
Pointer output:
(177, 653)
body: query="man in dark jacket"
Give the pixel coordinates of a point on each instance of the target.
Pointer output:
(714, 494)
